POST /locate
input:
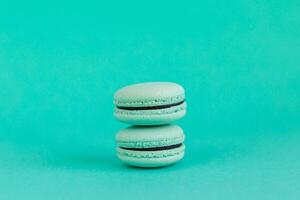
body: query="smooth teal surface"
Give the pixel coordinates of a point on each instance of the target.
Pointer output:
(61, 62)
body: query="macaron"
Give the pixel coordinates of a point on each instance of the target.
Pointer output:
(151, 103)
(157, 146)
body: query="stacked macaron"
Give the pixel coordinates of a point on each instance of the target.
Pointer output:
(150, 107)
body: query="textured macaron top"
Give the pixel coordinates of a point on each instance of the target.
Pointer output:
(149, 94)
(143, 137)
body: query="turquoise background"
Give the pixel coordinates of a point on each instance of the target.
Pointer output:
(60, 63)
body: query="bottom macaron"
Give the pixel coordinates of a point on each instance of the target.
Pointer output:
(156, 146)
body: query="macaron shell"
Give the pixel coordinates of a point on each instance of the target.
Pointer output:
(151, 154)
(145, 137)
(151, 144)
(151, 117)
(149, 94)
(152, 162)
(151, 158)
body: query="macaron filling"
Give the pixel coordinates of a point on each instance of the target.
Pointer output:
(151, 107)
(174, 146)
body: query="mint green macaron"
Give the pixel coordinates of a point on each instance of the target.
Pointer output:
(151, 103)
(157, 146)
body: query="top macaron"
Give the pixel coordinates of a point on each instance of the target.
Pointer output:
(151, 103)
